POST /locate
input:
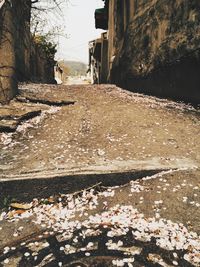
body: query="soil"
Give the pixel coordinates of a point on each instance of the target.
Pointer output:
(105, 126)
(149, 146)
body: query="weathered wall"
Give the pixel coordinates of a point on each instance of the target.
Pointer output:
(22, 15)
(21, 58)
(98, 59)
(41, 64)
(8, 81)
(156, 48)
(104, 58)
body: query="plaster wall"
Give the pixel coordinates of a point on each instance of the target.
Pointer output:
(154, 47)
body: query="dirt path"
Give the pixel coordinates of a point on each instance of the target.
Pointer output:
(148, 147)
(152, 221)
(105, 127)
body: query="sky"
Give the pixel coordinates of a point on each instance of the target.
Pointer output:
(80, 28)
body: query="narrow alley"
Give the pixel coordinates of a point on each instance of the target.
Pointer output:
(99, 133)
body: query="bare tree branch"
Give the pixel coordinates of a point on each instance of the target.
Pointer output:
(47, 19)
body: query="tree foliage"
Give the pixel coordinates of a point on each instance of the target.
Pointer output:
(48, 47)
(47, 22)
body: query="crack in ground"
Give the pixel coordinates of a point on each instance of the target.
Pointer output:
(45, 101)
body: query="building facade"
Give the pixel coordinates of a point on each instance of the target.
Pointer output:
(98, 59)
(153, 46)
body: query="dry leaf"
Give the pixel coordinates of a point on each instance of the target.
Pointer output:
(12, 213)
(51, 200)
(21, 206)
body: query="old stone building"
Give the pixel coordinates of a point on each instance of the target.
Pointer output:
(154, 46)
(98, 59)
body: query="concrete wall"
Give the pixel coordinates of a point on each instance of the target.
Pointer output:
(154, 47)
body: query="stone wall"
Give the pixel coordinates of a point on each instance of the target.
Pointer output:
(21, 58)
(41, 64)
(155, 47)
(22, 15)
(8, 80)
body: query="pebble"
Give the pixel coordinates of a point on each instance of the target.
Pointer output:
(26, 254)
(6, 261)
